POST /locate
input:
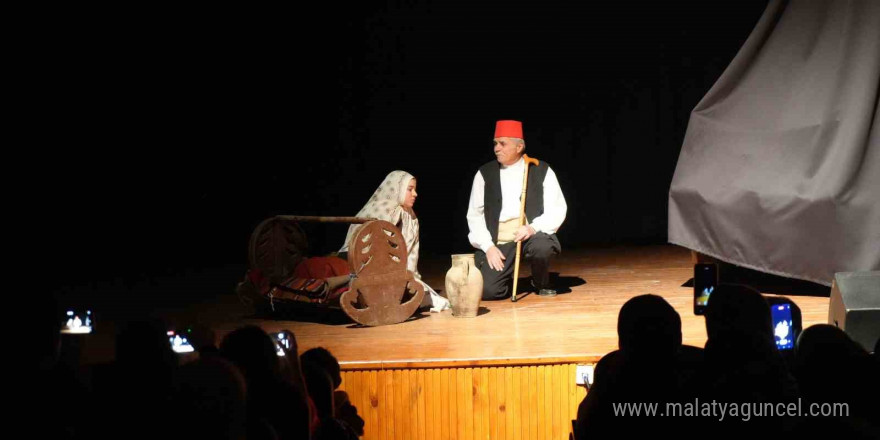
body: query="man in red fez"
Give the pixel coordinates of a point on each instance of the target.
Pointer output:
(494, 211)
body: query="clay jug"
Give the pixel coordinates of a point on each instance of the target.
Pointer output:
(464, 286)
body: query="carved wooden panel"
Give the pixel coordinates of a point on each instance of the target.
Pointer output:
(384, 291)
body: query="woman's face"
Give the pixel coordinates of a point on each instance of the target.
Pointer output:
(411, 194)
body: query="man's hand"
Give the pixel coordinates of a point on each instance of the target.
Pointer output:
(524, 233)
(495, 258)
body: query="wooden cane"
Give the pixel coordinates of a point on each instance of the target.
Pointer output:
(522, 216)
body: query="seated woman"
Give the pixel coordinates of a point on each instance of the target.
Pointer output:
(322, 280)
(393, 202)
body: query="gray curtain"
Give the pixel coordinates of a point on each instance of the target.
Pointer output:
(780, 167)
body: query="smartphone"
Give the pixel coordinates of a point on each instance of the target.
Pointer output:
(784, 329)
(179, 343)
(705, 282)
(281, 343)
(78, 322)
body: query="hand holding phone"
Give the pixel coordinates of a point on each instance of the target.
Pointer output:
(786, 322)
(705, 282)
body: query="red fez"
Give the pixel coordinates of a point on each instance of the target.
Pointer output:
(509, 129)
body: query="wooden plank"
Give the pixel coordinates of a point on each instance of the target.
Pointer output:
(404, 416)
(455, 418)
(435, 375)
(548, 403)
(447, 405)
(524, 402)
(417, 418)
(493, 402)
(420, 396)
(393, 404)
(542, 416)
(459, 404)
(476, 384)
(430, 399)
(352, 387)
(485, 433)
(564, 406)
(557, 428)
(413, 404)
(377, 414)
(502, 403)
(397, 405)
(388, 417)
(533, 402)
(405, 419)
(365, 400)
(467, 399)
(573, 401)
(371, 418)
(511, 403)
(355, 389)
(517, 402)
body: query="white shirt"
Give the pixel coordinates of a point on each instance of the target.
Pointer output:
(511, 189)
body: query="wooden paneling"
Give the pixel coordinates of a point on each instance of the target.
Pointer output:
(522, 402)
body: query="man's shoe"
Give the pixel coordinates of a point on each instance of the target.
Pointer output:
(547, 292)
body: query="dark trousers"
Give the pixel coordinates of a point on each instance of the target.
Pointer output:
(538, 249)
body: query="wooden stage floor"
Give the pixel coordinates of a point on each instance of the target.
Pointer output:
(578, 326)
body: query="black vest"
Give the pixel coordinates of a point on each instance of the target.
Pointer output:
(492, 194)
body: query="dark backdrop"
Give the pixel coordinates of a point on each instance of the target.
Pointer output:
(169, 135)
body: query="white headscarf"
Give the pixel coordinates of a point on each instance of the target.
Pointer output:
(387, 204)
